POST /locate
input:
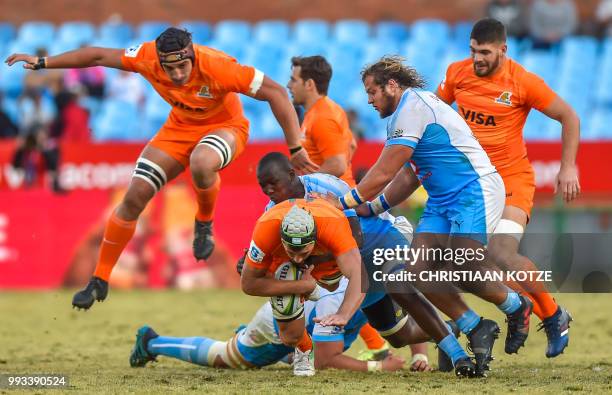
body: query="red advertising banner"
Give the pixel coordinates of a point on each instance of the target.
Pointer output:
(49, 240)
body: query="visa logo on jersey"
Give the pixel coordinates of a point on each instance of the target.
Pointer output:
(477, 117)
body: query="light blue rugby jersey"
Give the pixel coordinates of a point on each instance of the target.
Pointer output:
(446, 153)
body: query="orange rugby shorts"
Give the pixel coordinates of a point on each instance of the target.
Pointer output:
(520, 188)
(178, 138)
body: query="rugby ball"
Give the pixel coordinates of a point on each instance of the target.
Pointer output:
(287, 307)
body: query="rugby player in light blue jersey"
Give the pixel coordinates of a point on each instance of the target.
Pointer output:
(258, 343)
(466, 197)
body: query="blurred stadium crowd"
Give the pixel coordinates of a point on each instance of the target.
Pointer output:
(105, 104)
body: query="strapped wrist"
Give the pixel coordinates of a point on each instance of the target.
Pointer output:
(374, 366)
(41, 63)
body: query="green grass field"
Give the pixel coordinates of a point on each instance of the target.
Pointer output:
(40, 333)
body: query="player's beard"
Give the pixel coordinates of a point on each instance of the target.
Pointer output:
(386, 108)
(491, 67)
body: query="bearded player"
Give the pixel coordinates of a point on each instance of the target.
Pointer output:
(495, 94)
(205, 131)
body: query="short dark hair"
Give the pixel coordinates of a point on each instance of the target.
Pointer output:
(488, 30)
(273, 160)
(393, 68)
(172, 39)
(315, 68)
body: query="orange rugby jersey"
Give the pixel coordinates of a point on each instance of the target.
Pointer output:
(496, 108)
(327, 133)
(333, 237)
(210, 93)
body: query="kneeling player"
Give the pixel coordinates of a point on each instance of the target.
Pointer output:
(258, 344)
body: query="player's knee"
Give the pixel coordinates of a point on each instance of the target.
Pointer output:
(502, 256)
(134, 202)
(203, 168)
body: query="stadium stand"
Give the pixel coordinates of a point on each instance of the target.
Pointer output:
(580, 68)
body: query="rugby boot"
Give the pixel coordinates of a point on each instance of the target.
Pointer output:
(203, 241)
(557, 332)
(518, 326)
(96, 289)
(480, 342)
(464, 367)
(139, 356)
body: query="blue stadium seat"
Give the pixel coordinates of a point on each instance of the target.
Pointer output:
(263, 56)
(37, 34)
(543, 63)
(432, 32)
(461, 34)
(514, 46)
(391, 30)
(233, 49)
(351, 31)
(7, 32)
(377, 48)
(600, 125)
(156, 112)
(118, 121)
(11, 79)
(274, 32)
(116, 34)
(149, 30)
(426, 60)
(10, 107)
(233, 32)
(269, 127)
(311, 31)
(603, 90)
(76, 34)
(201, 32)
(536, 127)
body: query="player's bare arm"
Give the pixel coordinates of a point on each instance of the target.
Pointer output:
(351, 267)
(399, 189)
(384, 170)
(334, 165)
(330, 355)
(254, 282)
(79, 58)
(566, 181)
(285, 114)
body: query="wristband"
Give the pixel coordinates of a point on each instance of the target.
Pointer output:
(380, 205)
(40, 64)
(351, 199)
(295, 149)
(419, 357)
(374, 366)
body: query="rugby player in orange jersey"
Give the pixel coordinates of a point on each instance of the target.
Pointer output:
(327, 136)
(494, 95)
(205, 130)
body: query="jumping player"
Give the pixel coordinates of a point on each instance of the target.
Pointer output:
(495, 95)
(205, 130)
(258, 343)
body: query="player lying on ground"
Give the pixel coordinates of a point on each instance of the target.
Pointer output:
(495, 94)
(279, 182)
(205, 131)
(466, 194)
(258, 343)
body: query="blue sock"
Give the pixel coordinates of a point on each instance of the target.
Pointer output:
(450, 345)
(511, 304)
(188, 349)
(468, 321)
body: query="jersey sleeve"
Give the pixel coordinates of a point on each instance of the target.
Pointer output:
(133, 56)
(264, 241)
(234, 77)
(329, 304)
(446, 89)
(538, 94)
(407, 125)
(327, 136)
(335, 234)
